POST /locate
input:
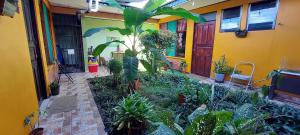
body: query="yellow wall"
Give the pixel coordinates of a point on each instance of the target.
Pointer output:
(266, 49)
(17, 90)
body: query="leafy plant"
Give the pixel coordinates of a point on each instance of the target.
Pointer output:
(134, 18)
(28, 119)
(54, 85)
(221, 66)
(132, 110)
(265, 90)
(115, 67)
(155, 44)
(183, 65)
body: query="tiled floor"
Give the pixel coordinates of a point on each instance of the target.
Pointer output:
(85, 119)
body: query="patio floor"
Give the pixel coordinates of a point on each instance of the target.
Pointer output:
(85, 119)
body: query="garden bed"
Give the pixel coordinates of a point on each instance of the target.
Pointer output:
(162, 91)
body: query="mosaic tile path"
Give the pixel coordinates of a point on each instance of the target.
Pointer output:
(85, 119)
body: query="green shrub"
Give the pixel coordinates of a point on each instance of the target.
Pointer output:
(221, 66)
(132, 109)
(115, 66)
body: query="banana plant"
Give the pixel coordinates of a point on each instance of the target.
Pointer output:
(134, 18)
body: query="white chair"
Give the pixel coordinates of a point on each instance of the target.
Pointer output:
(242, 77)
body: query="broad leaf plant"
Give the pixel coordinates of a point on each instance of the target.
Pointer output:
(134, 18)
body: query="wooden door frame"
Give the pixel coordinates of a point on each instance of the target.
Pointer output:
(43, 94)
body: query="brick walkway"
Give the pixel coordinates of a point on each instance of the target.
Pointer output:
(85, 120)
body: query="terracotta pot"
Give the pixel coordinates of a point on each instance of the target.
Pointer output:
(37, 131)
(181, 99)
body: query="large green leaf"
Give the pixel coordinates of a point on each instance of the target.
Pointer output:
(203, 125)
(147, 66)
(180, 12)
(222, 118)
(134, 17)
(100, 48)
(153, 4)
(93, 31)
(120, 30)
(130, 65)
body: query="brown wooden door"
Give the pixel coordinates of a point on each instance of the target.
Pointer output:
(203, 48)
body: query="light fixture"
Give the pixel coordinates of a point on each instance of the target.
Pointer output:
(93, 5)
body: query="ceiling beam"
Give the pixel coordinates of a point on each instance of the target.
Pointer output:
(72, 11)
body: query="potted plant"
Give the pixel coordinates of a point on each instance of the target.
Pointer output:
(28, 122)
(221, 69)
(132, 114)
(115, 67)
(54, 87)
(265, 90)
(183, 66)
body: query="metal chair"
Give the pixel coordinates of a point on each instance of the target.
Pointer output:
(242, 77)
(61, 68)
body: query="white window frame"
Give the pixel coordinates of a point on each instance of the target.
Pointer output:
(274, 22)
(241, 13)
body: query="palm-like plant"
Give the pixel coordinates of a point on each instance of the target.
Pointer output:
(134, 18)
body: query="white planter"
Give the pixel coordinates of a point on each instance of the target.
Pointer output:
(219, 78)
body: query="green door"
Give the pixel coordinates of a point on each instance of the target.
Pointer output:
(172, 26)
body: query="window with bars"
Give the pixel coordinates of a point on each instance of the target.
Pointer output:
(262, 15)
(231, 19)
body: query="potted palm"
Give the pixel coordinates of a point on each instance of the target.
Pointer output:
(134, 18)
(132, 114)
(221, 69)
(54, 87)
(183, 66)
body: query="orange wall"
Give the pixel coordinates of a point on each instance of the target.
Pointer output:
(17, 90)
(266, 49)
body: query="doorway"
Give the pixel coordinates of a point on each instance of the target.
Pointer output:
(69, 39)
(34, 49)
(204, 34)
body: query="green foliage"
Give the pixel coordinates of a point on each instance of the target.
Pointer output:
(115, 67)
(155, 44)
(133, 108)
(221, 67)
(147, 66)
(130, 65)
(236, 111)
(27, 120)
(203, 125)
(99, 49)
(129, 53)
(222, 118)
(134, 18)
(265, 90)
(54, 85)
(176, 12)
